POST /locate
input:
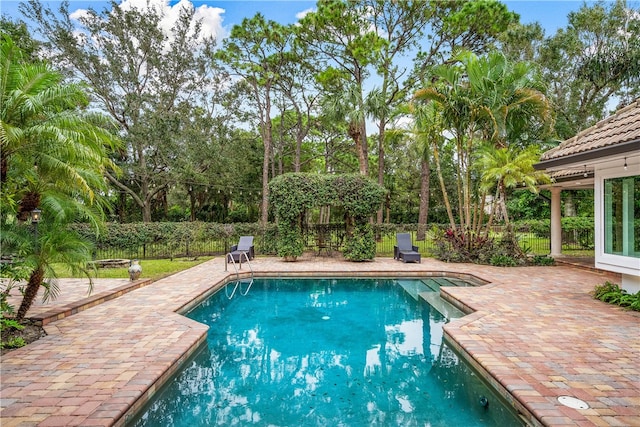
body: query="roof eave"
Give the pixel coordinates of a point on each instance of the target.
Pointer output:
(586, 156)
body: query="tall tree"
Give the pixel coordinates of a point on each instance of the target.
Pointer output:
(54, 156)
(19, 33)
(297, 85)
(136, 72)
(255, 51)
(594, 61)
(509, 99)
(401, 26)
(340, 36)
(428, 128)
(458, 25)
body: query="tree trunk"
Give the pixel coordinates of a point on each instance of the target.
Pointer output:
(355, 132)
(31, 291)
(503, 203)
(266, 138)
(192, 201)
(443, 189)
(364, 150)
(425, 172)
(4, 165)
(299, 139)
(146, 212)
(381, 164)
(28, 202)
(569, 205)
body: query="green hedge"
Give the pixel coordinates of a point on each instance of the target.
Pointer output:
(175, 237)
(291, 194)
(542, 227)
(172, 239)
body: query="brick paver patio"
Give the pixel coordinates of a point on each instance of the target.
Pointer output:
(535, 332)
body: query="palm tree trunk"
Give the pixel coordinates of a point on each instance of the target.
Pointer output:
(381, 165)
(425, 172)
(31, 292)
(443, 188)
(491, 215)
(503, 203)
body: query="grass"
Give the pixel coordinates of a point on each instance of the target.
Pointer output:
(154, 269)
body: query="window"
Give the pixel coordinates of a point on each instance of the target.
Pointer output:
(622, 216)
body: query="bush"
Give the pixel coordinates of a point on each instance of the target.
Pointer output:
(7, 323)
(456, 245)
(290, 243)
(12, 272)
(362, 245)
(503, 261)
(542, 260)
(612, 293)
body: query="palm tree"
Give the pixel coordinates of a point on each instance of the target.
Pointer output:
(505, 168)
(346, 105)
(487, 99)
(509, 98)
(427, 131)
(53, 158)
(451, 93)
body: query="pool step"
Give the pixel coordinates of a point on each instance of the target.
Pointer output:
(414, 287)
(429, 290)
(442, 306)
(436, 282)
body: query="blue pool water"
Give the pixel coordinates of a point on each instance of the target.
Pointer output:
(329, 352)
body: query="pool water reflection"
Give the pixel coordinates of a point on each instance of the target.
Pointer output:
(329, 352)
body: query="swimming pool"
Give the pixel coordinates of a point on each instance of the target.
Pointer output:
(325, 352)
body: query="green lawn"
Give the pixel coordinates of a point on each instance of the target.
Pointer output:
(151, 269)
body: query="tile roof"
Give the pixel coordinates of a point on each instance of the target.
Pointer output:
(565, 174)
(622, 126)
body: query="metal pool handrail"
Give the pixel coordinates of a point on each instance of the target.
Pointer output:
(226, 260)
(238, 280)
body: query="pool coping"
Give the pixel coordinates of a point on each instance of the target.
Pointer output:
(516, 407)
(519, 409)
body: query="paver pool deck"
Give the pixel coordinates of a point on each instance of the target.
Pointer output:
(535, 331)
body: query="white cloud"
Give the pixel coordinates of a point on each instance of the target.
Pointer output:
(79, 14)
(211, 17)
(304, 13)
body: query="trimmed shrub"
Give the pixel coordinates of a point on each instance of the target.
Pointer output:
(293, 193)
(361, 246)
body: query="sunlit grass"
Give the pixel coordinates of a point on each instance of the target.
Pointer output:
(151, 269)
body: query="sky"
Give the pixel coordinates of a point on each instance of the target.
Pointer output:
(223, 14)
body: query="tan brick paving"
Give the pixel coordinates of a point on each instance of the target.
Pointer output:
(535, 332)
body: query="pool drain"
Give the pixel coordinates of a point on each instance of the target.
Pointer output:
(573, 402)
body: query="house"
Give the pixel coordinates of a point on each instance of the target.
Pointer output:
(606, 158)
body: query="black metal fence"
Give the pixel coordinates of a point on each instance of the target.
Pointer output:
(161, 250)
(327, 239)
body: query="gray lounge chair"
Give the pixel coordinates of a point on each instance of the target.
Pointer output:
(245, 245)
(405, 250)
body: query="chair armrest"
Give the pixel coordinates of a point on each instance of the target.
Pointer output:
(234, 248)
(415, 248)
